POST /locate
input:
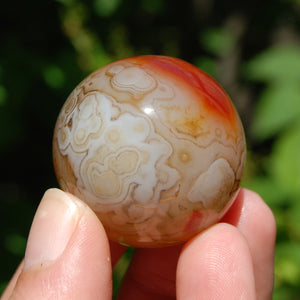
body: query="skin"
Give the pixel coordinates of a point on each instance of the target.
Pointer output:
(231, 260)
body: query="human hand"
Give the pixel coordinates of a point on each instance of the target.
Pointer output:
(68, 256)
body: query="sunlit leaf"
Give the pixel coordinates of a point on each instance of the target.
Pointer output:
(293, 217)
(287, 261)
(279, 63)
(264, 186)
(284, 292)
(286, 161)
(278, 105)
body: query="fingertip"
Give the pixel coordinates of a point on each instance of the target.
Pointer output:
(54, 223)
(67, 254)
(257, 223)
(12, 283)
(257, 208)
(151, 274)
(233, 214)
(215, 263)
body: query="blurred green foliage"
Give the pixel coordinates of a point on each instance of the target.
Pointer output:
(251, 47)
(275, 174)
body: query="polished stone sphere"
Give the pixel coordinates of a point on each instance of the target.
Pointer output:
(154, 146)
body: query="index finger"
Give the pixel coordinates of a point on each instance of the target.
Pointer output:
(231, 258)
(255, 220)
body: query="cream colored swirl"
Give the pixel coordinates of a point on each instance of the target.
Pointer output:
(118, 152)
(132, 79)
(142, 151)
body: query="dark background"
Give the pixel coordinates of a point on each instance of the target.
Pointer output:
(251, 47)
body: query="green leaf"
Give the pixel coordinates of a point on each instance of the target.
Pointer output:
(207, 64)
(285, 159)
(15, 244)
(278, 63)
(54, 76)
(293, 219)
(218, 41)
(264, 186)
(287, 260)
(120, 269)
(278, 106)
(106, 8)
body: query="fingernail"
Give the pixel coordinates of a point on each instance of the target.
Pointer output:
(52, 227)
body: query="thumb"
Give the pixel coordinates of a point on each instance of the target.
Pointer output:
(67, 254)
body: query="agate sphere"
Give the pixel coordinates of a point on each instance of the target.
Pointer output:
(154, 146)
